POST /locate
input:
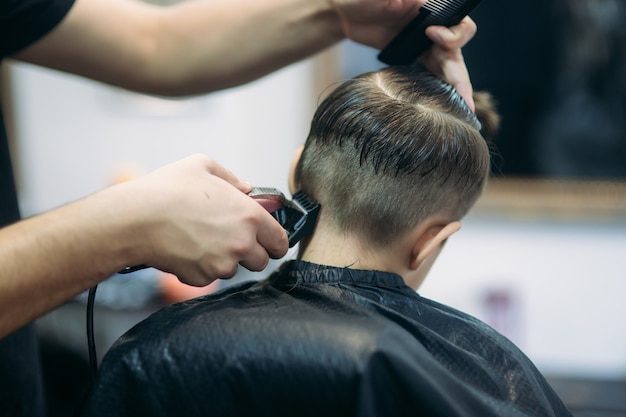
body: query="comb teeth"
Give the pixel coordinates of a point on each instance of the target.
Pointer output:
(443, 4)
(449, 12)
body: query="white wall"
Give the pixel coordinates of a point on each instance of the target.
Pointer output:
(75, 135)
(566, 282)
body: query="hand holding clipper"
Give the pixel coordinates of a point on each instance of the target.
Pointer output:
(297, 216)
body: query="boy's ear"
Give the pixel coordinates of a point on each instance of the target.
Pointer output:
(430, 242)
(293, 187)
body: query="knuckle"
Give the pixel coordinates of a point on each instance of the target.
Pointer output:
(259, 264)
(224, 269)
(471, 24)
(242, 247)
(204, 160)
(280, 247)
(194, 279)
(228, 271)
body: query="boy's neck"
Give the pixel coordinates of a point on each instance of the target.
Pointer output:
(327, 246)
(330, 246)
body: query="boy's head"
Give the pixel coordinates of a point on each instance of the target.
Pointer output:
(391, 148)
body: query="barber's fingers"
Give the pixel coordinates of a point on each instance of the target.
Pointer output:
(455, 72)
(272, 237)
(260, 237)
(445, 58)
(256, 238)
(453, 37)
(250, 244)
(464, 87)
(219, 171)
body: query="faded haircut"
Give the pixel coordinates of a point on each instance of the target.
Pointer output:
(390, 148)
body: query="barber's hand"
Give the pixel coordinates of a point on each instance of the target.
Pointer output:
(198, 223)
(375, 22)
(445, 58)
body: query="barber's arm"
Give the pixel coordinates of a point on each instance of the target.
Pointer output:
(190, 47)
(191, 218)
(197, 46)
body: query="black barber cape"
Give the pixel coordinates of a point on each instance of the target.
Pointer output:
(314, 340)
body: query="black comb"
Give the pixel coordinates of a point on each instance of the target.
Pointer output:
(412, 41)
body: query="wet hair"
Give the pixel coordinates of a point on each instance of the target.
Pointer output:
(390, 148)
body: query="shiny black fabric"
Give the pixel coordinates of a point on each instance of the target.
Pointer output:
(318, 341)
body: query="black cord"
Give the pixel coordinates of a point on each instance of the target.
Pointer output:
(93, 360)
(91, 345)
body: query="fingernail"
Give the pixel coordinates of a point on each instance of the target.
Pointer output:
(246, 185)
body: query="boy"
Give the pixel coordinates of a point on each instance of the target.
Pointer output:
(395, 158)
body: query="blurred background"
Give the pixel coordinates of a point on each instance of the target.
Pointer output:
(541, 257)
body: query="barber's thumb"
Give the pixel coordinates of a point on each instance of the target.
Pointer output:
(244, 186)
(440, 34)
(218, 170)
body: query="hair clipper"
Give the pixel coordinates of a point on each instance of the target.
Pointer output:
(296, 216)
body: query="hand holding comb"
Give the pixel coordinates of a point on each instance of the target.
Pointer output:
(412, 41)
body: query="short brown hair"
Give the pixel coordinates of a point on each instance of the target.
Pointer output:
(388, 149)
